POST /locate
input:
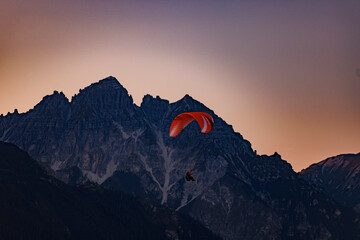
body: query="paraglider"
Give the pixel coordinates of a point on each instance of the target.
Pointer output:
(205, 121)
(180, 122)
(189, 177)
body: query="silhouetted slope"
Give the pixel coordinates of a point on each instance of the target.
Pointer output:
(37, 206)
(339, 177)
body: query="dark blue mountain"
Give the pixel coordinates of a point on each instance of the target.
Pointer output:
(35, 205)
(339, 177)
(102, 136)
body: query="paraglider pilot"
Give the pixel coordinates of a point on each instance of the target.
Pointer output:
(189, 177)
(205, 121)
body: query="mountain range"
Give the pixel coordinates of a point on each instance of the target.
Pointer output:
(102, 136)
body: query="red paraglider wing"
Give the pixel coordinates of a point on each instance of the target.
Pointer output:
(205, 121)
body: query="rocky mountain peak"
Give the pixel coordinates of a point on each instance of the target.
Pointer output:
(51, 103)
(109, 82)
(347, 163)
(187, 99)
(154, 107)
(187, 96)
(106, 84)
(105, 96)
(60, 96)
(149, 100)
(338, 176)
(11, 114)
(189, 104)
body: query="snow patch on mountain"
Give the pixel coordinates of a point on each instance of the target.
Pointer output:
(166, 154)
(110, 169)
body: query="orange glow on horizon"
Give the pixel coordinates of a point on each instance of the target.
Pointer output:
(293, 92)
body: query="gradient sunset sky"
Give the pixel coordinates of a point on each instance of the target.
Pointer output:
(285, 74)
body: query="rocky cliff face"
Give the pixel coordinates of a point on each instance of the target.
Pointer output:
(339, 177)
(102, 136)
(38, 206)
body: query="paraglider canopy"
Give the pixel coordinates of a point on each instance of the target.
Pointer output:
(180, 122)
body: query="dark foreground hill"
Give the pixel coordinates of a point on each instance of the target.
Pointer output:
(339, 177)
(37, 206)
